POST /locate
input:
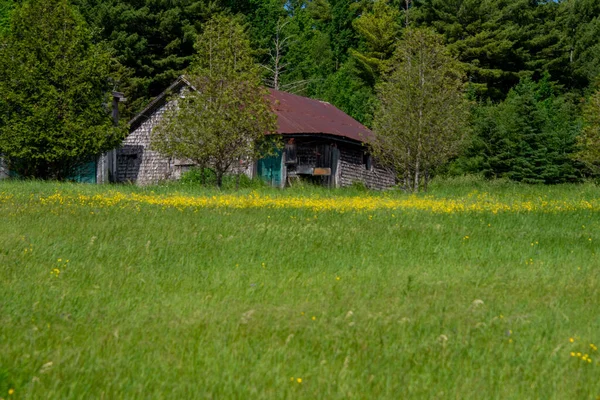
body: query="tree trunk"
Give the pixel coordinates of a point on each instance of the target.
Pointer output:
(219, 178)
(417, 174)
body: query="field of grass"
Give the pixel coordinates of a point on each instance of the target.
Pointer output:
(473, 291)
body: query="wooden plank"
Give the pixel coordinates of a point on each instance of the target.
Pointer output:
(304, 170)
(322, 172)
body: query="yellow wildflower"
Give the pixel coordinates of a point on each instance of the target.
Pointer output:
(11, 391)
(299, 380)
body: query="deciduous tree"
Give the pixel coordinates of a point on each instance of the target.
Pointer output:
(422, 117)
(224, 119)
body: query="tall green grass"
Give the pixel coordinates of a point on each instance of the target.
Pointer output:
(223, 303)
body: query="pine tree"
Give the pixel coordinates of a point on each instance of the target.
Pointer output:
(5, 9)
(378, 27)
(530, 137)
(489, 36)
(579, 22)
(588, 142)
(54, 82)
(153, 40)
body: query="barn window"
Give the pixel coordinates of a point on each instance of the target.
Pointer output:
(367, 161)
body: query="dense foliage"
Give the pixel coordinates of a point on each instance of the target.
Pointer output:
(423, 110)
(530, 137)
(221, 121)
(5, 9)
(54, 82)
(338, 50)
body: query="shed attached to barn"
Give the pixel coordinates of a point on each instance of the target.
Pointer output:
(321, 144)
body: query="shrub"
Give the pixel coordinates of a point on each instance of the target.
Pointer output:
(208, 178)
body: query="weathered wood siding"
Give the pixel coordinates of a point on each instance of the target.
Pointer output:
(3, 169)
(136, 163)
(351, 165)
(353, 169)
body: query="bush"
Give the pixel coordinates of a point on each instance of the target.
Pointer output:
(208, 178)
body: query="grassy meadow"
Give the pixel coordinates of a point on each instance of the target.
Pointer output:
(472, 291)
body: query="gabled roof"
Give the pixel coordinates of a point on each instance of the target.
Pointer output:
(158, 102)
(295, 115)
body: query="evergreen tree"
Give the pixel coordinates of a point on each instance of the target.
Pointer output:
(153, 39)
(378, 27)
(530, 137)
(589, 141)
(579, 22)
(54, 82)
(6, 7)
(489, 36)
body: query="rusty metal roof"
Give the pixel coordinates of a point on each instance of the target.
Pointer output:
(296, 115)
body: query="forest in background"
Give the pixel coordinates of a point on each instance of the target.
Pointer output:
(531, 65)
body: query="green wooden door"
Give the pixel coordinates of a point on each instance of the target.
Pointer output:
(269, 169)
(84, 173)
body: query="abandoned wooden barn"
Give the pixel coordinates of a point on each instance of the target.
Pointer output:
(322, 144)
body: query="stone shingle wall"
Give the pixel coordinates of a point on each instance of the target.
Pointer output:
(353, 169)
(351, 165)
(137, 163)
(3, 169)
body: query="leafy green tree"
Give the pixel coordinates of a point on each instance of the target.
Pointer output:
(54, 82)
(349, 92)
(421, 120)
(223, 121)
(309, 56)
